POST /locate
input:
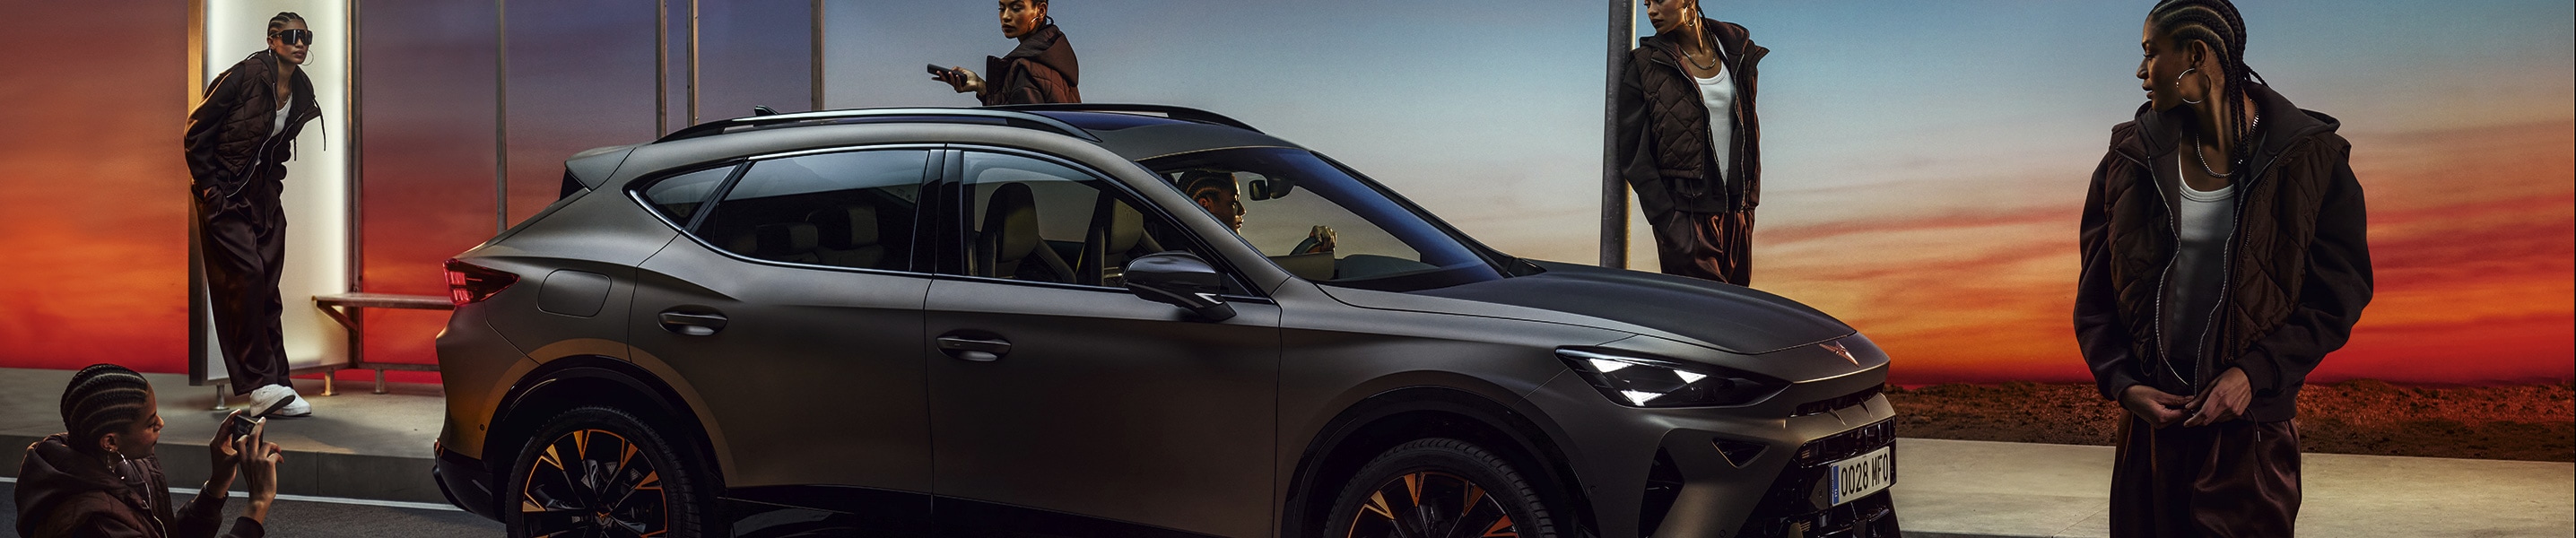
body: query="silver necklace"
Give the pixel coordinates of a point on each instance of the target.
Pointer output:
(2196, 149)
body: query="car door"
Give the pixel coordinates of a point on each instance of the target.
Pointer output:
(1061, 406)
(791, 311)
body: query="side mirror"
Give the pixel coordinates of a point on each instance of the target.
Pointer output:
(763, 111)
(1180, 279)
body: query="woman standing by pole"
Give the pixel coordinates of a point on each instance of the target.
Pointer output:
(1688, 140)
(237, 144)
(2224, 255)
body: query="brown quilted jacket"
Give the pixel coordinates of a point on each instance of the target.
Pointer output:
(1042, 70)
(2297, 267)
(1661, 135)
(230, 131)
(63, 493)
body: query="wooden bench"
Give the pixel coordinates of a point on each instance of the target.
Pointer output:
(349, 310)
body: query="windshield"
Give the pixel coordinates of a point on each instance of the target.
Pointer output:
(1322, 222)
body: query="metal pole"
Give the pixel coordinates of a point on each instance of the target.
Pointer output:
(1614, 191)
(817, 74)
(501, 117)
(356, 228)
(693, 63)
(661, 68)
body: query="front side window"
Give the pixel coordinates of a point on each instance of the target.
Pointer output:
(1322, 223)
(855, 209)
(1035, 220)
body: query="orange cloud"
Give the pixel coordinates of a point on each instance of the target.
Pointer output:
(2473, 236)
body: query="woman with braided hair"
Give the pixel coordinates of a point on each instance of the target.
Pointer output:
(99, 478)
(2224, 255)
(1689, 141)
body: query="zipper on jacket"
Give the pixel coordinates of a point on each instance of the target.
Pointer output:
(2164, 279)
(2227, 271)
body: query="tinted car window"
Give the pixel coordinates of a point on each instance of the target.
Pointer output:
(1035, 220)
(1322, 222)
(680, 196)
(854, 209)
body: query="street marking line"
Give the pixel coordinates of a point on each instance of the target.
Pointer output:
(312, 499)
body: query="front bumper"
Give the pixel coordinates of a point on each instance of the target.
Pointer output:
(466, 483)
(1726, 472)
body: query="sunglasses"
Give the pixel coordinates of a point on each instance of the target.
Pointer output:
(294, 36)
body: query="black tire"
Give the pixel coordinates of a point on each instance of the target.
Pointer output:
(1428, 489)
(578, 473)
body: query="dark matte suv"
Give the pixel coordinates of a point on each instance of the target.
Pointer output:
(1110, 320)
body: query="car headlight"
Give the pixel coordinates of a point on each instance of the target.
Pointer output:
(1638, 381)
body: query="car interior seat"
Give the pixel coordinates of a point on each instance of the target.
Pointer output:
(785, 241)
(1009, 245)
(848, 237)
(1117, 236)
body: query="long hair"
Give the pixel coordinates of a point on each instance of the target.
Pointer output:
(2217, 24)
(103, 399)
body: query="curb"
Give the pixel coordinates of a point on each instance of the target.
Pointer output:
(303, 472)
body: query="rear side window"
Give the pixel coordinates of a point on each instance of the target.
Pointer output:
(855, 209)
(680, 196)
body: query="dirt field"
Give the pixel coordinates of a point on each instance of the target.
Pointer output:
(2529, 422)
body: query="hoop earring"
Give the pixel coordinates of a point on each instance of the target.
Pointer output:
(2177, 83)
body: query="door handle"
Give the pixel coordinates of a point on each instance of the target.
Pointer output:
(689, 324)
(974, 349)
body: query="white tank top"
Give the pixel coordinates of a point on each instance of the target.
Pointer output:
(1718, 94)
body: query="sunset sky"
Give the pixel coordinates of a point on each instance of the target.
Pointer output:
(1924, 160)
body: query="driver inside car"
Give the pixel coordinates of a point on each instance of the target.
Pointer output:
(1218, 193)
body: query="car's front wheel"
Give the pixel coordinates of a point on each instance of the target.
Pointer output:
(1439, 488)
(598, 471)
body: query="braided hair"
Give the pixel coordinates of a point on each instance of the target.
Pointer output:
(279, 22)
(104, 399)
(2215, 23)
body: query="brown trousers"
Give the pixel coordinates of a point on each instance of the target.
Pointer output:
(1713, 246)
(2232, 479)
(243, 239)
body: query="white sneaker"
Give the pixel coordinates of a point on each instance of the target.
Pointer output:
(277, 400)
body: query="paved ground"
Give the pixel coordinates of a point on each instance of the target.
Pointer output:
(291, 518)
(376, 446)
(1979, 488)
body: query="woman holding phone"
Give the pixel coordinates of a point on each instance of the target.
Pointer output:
(99, 478)
(1041, 70)
(2224, 255)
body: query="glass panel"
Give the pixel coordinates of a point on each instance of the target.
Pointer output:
(1041, 221)
(425, 95)
(1321, 222)
(853, 209)
(679, 197)
(581, 74)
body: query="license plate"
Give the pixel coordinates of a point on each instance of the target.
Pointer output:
(1858, 477)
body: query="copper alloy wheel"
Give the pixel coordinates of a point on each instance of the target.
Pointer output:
(1431, 504)
(593, 483)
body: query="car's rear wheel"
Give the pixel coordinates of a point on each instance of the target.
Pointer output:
(600, 472)
(1439, 488)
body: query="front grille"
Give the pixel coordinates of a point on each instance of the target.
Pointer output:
(1794, 504)
(1837, 402)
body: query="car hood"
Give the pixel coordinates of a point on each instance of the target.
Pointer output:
(1725, 317)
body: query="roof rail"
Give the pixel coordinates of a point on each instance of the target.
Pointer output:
(1023, 119)
(1173, 112)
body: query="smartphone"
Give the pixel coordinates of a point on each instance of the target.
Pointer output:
(942, 72)
(241, 426)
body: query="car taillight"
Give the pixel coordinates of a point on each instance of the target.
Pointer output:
(469, 283)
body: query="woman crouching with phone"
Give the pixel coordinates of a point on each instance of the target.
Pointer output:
(100, 479)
